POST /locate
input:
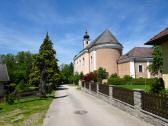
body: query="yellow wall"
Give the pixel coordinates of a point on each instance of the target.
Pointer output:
(164, 47)
(124, 69)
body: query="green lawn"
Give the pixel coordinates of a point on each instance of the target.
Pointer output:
(28, 111)
(144, 87)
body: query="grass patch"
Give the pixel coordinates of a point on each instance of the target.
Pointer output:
(146, 88)
(27, 111)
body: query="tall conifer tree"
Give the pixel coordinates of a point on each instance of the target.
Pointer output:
(46, 63)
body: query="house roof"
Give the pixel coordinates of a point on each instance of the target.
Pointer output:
(3, 73)
(157, 39)
(104, 38)
(137, 52)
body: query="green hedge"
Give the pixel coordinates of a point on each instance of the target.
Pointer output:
(116, 81)
(133, 81)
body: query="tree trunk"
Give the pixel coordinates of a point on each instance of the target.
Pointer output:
(42, 85)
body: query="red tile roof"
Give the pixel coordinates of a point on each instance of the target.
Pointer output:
(138, 52)
(162, 34)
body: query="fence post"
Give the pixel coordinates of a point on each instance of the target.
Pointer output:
(89, 86)
(97, 89)
(138, 101)
(110, 92)
(84, 87)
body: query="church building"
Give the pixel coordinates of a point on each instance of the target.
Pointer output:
(106, 52)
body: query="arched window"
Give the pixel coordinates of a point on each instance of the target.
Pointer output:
(91, 59)
(83, 61)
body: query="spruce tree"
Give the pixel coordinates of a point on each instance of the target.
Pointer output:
(46, 67)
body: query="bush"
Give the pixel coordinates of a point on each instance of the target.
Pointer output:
(92, 76)
(114, 75)
(21, 86)
(10, 98)
(116, 81)
(164, 92)
(158, 86)
(102, 74)
(127, 78)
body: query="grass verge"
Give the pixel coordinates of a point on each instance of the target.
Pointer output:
(27, 111)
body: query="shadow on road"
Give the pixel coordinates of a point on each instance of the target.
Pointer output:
(56, 97)
(61, 88)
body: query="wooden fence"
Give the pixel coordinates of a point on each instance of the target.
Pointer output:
(26, 94)
(156, 104)
(87, 85)
(83, 83)
(104, 89)
(124, 95)
(94, 87)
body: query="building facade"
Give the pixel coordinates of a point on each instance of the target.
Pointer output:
(4, 78)
(106, 52)
(135, 63)
(161, 39)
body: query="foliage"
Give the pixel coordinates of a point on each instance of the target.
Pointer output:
(18, 66)
(34, 76)
(10, 94)
(158, 86)
(10, 98)
(143, 81)
(127, 78)
(75, 78)
(146, 88)
(66, 71)
(102, 74)
(156, 67)
(81, 75)
(114, 75)
(164, 92)
(45, 69)
(21, 86)
(116, 81)
(92, 76)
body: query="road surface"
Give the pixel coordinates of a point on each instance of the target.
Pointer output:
(72, 107)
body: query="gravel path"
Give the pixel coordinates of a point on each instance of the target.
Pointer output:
(73, 107)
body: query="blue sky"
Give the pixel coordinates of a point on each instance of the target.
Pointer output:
(24, 23)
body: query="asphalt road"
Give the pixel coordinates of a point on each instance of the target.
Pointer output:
(72, 107)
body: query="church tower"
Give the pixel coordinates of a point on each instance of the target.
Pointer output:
(86, 39)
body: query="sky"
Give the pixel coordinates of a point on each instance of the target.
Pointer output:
(24, 23)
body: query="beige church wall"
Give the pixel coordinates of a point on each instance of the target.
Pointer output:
(85, 63)
(92, 61)
(107, 58)
(81, 64)
(164, 47)
(124, 69)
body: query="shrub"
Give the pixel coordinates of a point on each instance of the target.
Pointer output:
(164, 92)
(102, 74)
(127, 78)
(143, 81)
(76, 78)
(116, 81)
(10, 98)
(92, 76)
(114, 76)
(21, 86)
(158, 86)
